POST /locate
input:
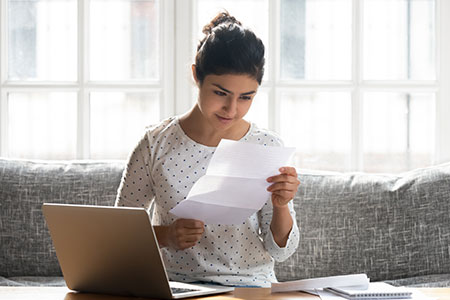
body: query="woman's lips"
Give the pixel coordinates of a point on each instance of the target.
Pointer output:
(224, 120)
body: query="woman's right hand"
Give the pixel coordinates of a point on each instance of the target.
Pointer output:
(181, 234)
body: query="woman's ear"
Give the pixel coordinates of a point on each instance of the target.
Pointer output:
(194, 74)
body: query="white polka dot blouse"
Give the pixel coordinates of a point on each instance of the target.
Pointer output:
(161, 170)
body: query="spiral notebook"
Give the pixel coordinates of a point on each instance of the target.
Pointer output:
(376, 290)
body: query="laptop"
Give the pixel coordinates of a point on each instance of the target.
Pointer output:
(114, 250)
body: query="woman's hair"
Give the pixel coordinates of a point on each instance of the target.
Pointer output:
(229, 48)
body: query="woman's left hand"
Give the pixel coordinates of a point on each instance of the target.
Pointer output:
(284, 186)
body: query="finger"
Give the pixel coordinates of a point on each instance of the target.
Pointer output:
(197, 231)
(191, 223)
(282, 186)
(194, 234)
(189, 239)
(283, 177)
(192, 238)
(182, 231)
(288, 170)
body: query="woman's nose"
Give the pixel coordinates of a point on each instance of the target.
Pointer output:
(230, 104)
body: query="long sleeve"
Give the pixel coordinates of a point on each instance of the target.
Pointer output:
(278, 253)
(136, 186)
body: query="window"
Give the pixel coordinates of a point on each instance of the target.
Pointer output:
(81, 79)
(353, 85)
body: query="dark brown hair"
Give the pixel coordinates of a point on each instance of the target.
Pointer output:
(229, 48)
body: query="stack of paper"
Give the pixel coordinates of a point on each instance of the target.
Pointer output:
(309, 285)
(355, 286)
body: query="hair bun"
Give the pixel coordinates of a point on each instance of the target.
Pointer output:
(221, 18)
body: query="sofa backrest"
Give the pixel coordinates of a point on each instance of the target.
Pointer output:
(25, 245)
(387, 226)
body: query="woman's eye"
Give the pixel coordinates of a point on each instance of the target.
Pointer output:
(246, 98)
(219, 93)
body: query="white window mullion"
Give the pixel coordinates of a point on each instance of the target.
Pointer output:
(3, 95)
(273, 68)
(167, 52)
(442, 153)
(357, 146)
(3, 41)
(184, 20)
(83, 124)
(83, 119)
(3, 122)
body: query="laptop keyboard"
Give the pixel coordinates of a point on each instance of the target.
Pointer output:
(182, 290)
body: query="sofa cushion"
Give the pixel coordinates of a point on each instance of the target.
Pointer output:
(26, 248)
(387, 226)
(428, 281)
(32, 281)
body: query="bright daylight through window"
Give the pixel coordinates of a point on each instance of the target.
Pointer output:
(353, 85)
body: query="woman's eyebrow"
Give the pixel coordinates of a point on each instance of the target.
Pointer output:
(230, 92)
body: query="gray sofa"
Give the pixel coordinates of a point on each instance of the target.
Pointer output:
(394, 228)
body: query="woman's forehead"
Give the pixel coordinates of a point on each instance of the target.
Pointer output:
(240, 83)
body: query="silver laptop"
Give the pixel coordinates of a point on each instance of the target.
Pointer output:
(113, 250)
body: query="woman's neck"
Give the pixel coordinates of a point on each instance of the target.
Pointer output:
(196, 127)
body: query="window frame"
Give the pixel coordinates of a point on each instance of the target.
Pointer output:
(83, 86)
(443, 95)
(176, 87)
(356, 86)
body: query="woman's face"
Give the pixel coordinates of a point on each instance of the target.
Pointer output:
(225, 99)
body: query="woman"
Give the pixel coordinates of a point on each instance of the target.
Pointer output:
(174, 154)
